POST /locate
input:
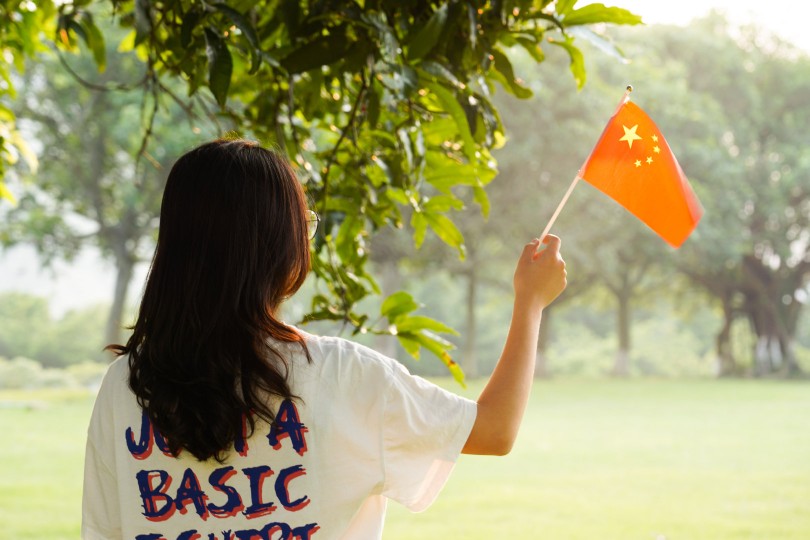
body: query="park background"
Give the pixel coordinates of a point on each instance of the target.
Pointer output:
(666, 406)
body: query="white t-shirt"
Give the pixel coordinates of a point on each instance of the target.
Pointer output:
(364, 431)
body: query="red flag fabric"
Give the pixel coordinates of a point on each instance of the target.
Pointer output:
(633, 164)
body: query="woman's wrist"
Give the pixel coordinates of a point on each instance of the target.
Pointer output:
(530, 311)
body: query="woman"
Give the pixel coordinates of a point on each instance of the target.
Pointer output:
(219, 421)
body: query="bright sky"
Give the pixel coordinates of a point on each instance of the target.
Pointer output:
(788, 18)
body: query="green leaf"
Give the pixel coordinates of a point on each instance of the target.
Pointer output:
(397, 195)
(563, 7)
(7, 195)
(454, 368)
(244, 25)
(27, 153)
(532, 47)
(439, 347)
(439, 71)
(410, 345)
(190, 21)
(447, 231)
(346, 243)
(127, 43)
(443, 203)
(503, 67)
(386, 42)
(373, 107)
(456, 111)
(143, 21)
(599, 13)
(6, 114)
(416, 323)
(220, 66)
(406, 147)
(94, 39)
(472, 21)
(480, 196)
(398, 304)
(426, 38)
(321, 51)
(66, 23)
(402, 79)
(322, 315)
(577, 60)
(444, 177)
(291, 15)
(419, 224)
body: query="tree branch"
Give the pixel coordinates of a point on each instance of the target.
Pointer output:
(108, 87)
(333, 155)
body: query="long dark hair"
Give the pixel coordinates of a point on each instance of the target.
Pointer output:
(232, 245)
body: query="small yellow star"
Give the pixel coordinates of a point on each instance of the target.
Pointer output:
(630, 135)
(655, 138)
(638, 163)
(649, 160)
(657, 150)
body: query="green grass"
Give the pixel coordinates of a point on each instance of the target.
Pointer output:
(42, 457)
(596, 460)
(625, 460)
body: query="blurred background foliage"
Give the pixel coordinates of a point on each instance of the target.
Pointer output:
(733, 103)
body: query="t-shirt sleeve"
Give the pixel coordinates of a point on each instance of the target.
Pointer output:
(425, 428)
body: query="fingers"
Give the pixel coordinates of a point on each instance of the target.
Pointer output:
(530, 249)
(552, 243)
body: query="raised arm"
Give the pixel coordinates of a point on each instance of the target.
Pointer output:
(539, 278)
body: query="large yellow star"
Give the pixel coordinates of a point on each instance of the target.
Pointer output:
(630, 135)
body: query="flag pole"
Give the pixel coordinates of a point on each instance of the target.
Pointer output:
(576, 179)
(560, 207)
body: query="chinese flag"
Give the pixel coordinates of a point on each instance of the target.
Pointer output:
(633, 164)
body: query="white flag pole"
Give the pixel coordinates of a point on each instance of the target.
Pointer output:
(559, 207)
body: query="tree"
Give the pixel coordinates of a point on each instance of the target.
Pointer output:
(380, 104)
(91, 187)
(756, 257)
(28, 330)
(734, 110)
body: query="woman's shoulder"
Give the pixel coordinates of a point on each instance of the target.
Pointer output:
(117, 374)
(341, 353)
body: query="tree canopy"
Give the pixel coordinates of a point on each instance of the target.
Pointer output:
(384, 106)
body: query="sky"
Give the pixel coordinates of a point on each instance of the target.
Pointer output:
(89, 279)
(788, 18)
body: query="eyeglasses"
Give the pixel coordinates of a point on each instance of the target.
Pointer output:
(312, 223)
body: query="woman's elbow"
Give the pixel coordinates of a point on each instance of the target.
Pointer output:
(502, 446)
(489, 446)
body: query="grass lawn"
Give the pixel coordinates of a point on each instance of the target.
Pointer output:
(596, 460)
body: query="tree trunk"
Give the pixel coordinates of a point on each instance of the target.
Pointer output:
(773, 311)
(774, 352)
(541, 370)
(792, 367)
(125, 265)
(621, 367)
(726, 364)
(469, 359)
